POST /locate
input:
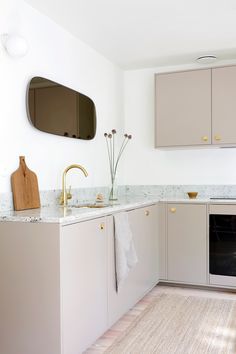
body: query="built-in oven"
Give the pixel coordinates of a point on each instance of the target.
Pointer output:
(222, 245)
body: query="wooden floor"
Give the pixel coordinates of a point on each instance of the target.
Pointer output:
(115, 331)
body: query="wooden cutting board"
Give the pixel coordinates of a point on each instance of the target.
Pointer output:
(25, 189)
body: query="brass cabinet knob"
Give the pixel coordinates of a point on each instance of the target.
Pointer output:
(217, 137)
(172, 210)
(102, 226)
(204, 138)
(147, 212)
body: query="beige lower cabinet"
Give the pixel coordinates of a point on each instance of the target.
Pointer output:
(187, 243)
(57, 283)
(84, 284)
(144, 275)
(53, 286)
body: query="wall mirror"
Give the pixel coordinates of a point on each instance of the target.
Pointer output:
(59, 110)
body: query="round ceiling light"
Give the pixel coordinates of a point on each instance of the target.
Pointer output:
(206, 59)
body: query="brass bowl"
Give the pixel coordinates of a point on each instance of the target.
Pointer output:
(192, 195)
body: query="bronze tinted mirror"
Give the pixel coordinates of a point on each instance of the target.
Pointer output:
(59, 110)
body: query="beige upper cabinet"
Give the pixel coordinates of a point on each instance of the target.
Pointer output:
(224, 105)
(183, 108)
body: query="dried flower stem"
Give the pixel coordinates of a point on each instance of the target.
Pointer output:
(109, 155)
(113, 153)
(123, 146)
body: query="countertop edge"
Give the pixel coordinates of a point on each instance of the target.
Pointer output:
(59, 215)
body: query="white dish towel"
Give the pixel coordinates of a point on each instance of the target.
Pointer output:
(125, 253)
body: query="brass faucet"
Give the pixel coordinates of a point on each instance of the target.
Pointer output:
(64, 194)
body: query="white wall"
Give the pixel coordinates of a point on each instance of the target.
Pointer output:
(152, 166)
(57, 55)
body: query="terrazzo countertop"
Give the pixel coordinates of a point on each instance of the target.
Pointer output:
(72, 214)
(199, 200)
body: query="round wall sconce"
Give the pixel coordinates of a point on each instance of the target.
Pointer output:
(15, 45)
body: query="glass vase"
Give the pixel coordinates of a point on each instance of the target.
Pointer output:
(113, 194)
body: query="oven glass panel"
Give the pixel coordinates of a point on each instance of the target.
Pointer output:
(223, 245)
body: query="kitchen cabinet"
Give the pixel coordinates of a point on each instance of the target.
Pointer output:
(183, 108)
(84, 284)
(57, 282)
(53, 286)
(224, 105)
(144, 275)
(196, 108)
(187, 243)
(29, 288)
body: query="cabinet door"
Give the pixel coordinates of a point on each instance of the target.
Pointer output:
(29, 288)
(183, 108)
(144, 225)
(83, 284)
(144, 275)
(187, 237)
(224, 105)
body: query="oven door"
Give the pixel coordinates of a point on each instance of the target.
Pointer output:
(222, 246)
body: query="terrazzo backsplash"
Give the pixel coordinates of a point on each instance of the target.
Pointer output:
(179, 191)
(51, 197)
(161, 191)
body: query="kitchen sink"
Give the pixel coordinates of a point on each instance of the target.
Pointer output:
(90, 205)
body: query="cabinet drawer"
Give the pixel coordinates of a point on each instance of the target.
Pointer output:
(222, 209)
